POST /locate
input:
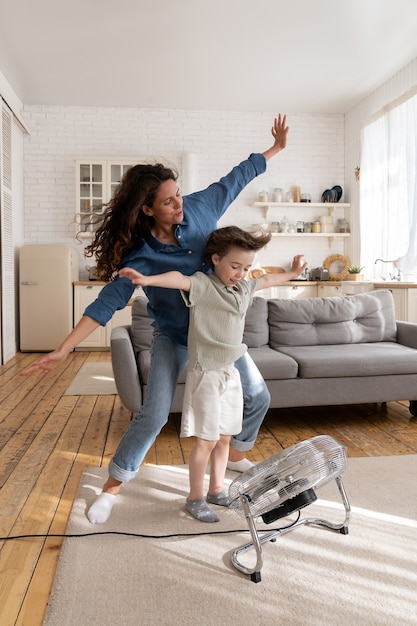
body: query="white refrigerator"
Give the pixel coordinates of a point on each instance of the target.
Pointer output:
(46, 276)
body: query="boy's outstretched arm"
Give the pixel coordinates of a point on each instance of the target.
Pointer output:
(170, 280)
(270, 280)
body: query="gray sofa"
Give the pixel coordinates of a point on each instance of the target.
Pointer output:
(311, 352)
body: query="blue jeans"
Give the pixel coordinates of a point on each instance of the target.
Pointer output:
(167, 361)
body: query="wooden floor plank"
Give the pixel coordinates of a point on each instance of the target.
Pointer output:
(89, 454)
(51, 466)
(168, 451)
(22, 481)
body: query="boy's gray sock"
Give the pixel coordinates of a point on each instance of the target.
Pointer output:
(201, 510)
(222, 499)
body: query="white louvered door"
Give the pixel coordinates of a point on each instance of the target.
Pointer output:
(8, 331)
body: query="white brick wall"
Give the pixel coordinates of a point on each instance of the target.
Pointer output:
(313, 159)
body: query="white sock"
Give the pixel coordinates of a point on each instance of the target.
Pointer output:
(240, 466)
(99, 511)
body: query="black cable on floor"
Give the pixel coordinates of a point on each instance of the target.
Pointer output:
(143, 536)
(116, 532)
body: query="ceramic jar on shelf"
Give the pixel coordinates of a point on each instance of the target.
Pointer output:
(343, 226)
(278, 195)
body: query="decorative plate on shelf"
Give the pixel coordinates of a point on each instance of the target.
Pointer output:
(332, 195)
(327, 196)
(338, 191)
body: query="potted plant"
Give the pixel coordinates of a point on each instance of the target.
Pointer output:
(355, 272)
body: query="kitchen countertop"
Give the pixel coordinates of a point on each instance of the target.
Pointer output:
(391, 284)
(332, 283)
(394, 284)
(89, 282)
(381, 284)
(102, 283)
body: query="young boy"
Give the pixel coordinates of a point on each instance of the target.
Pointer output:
(213, 399)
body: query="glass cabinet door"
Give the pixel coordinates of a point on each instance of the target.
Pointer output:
(91, 189)
(117, 171)
(97, 180)
(91, 186)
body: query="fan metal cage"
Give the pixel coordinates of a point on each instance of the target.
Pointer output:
(284, 475)
(284, 483)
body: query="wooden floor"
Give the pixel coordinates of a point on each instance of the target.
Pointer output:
(47, 439)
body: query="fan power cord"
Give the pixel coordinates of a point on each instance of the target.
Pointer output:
(140, 535)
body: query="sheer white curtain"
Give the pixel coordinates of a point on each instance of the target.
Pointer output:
(388, 190)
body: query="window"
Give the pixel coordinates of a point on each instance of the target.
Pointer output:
(388, 190)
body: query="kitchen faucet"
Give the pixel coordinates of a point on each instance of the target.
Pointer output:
(392, 276)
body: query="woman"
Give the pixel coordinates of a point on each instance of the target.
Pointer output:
(149, 227)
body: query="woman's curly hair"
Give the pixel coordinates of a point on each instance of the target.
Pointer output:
(123, 223)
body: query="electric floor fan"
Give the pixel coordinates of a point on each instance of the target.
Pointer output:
(282, 484)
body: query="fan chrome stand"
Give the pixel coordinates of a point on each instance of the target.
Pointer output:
(256, 543)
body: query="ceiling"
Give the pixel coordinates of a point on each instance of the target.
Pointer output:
(300, 56)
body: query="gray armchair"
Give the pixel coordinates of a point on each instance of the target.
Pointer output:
(130, 355)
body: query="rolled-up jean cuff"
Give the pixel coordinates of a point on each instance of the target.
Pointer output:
(118, 473)
(242, 446)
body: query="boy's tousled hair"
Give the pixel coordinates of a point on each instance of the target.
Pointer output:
(221, 240)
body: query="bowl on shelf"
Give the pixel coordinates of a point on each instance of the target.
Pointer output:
(332, 195)
(265, 227)
(337, 190)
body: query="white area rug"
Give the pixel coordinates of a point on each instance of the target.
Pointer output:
(311, 576)
(92, 379)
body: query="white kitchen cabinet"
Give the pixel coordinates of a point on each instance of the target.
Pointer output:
(90, 195)
(328, 291)
(96, 182)
(405, 299)
(412, 305)
(293, 292)
(296, 292)
(346, 288)
(400, 303)
(85, 294)
(351, 288)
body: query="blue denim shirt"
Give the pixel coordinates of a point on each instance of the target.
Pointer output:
(202, 210)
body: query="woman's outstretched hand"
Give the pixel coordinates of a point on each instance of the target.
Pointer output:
(82, 330)
(45, 364)
(279, 132)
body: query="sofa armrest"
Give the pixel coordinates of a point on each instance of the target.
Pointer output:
(126, 376)
(407, 334)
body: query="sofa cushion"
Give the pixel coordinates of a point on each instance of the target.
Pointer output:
(363, 318)
(142, 329)
(256, 331)
(274, 365)
(347, 360)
